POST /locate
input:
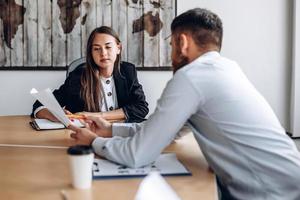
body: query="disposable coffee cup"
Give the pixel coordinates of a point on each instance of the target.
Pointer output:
(81, 159)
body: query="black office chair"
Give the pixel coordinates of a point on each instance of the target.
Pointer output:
(76, 63)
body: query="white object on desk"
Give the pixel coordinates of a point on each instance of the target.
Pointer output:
(154, 187)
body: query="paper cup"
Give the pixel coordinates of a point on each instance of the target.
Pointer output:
(81, 159)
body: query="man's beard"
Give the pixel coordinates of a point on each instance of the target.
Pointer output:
(179, 62)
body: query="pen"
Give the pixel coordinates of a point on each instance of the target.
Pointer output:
(74, 116)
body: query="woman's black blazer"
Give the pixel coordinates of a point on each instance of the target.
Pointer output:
(130, 94)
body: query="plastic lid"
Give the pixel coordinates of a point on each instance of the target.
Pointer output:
(80, 150)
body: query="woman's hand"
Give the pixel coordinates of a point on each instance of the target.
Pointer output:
(67, 112)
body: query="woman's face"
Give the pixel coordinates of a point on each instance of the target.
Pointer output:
(105, 50)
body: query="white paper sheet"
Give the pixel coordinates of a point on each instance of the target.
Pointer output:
(166, 164)
(48, 100)
(154, 187)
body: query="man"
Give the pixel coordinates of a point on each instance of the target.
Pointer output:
(238, 132)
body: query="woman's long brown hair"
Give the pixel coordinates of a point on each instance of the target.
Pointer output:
(91, 88)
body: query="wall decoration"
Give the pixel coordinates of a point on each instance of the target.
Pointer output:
(50, 34)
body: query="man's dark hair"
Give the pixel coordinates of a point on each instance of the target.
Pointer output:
(204, 26)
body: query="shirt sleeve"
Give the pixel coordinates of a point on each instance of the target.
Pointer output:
(124, 129)
(37, 110)
(146, 141)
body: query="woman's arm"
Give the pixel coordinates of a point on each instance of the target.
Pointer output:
(135, 106)
(46, 114)
(112, 116)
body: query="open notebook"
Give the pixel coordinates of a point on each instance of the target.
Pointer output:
(44, 124)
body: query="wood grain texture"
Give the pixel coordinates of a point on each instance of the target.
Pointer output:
(54, 33)
(44, 33)
(74, 37)
(135, 47)
(30, 173)
(30, 33)
(3, 56)
(120, 23)
(88, 22)
(6, 47)
(166, 15)
(59, 39)
(17, 40)
(107, 13)
(99, 13)
(151, 38)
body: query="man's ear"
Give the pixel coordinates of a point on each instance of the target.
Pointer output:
(183, 44)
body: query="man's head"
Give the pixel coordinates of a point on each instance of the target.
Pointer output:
(194, 32)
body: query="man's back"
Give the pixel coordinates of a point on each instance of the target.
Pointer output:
(239, 133)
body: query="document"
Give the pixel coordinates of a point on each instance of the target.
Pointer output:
(45, 124)
(48, 100)
(166, 164)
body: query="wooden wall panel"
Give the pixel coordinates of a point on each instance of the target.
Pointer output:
(53, 33)
(88, 22)
(16, 56)
(7, 33)
(99, 13)
(74, 32)
(152, 26)
(3, 57)
(30, 33)
(135, 33)
(106, 11)
(120, 23)
(44, 33)
(165, 34)
(59, 39)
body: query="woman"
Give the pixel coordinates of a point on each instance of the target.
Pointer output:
(105, 86)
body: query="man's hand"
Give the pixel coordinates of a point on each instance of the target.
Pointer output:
(82, 136)
(98, 125)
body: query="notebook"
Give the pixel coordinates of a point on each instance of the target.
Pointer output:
(44, 124)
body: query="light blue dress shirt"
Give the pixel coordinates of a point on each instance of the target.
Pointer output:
(235, 127)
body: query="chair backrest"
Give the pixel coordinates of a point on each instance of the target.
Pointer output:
(74, 65)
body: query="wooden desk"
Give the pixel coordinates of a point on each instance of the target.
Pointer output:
(16, 130)
(42, 173)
